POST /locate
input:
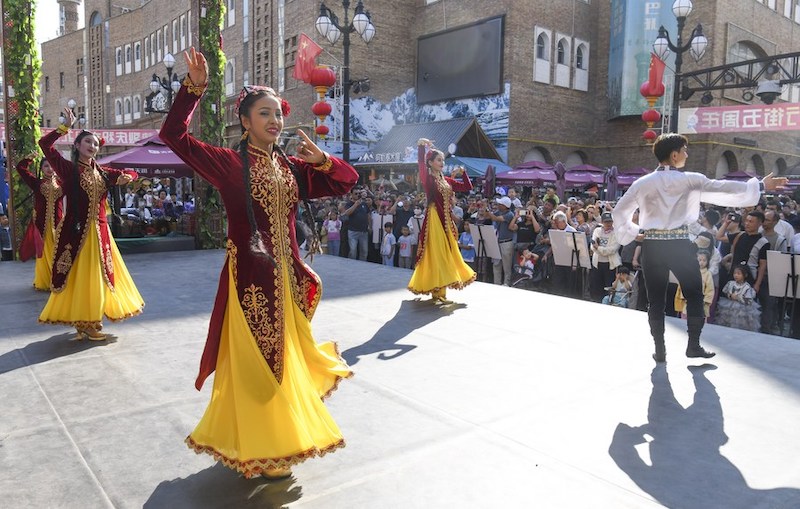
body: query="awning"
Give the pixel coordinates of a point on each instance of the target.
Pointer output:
(475, 166)
(526, 177)
(152, 159)
(584, 174)
(738, 175)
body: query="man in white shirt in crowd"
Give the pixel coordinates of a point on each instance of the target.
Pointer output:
(668, 201)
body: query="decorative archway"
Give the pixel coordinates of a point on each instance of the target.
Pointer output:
(576, 158)
(726, 164)
(538, 154)
(755, 165)
(779, 168)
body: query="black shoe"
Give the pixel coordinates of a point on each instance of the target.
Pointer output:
(699, 351)
(660, 357)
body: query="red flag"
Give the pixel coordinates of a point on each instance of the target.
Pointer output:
(307, 52)
(655, 84)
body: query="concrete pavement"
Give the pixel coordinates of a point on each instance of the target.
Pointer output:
(508, 399)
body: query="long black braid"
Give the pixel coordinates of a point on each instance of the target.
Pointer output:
(302, 187)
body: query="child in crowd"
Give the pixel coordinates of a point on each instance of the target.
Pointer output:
(404, 245)
(467, 245)
(736, 306)
(620, 289)
(527, 260)
(708, 287)
(333, 226)
(387, 246)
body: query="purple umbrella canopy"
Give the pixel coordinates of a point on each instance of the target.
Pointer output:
(152, 157)
(738, 175)
(529, 173)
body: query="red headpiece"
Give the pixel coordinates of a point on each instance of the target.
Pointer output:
(252, 89)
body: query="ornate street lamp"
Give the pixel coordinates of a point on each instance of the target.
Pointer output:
(696, 46)
(157, 102)
(329, 27)
(71, 105)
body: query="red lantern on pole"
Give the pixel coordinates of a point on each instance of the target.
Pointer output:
(321, 109)
(322, 131)
(322, 78)
(651, 117)
(649, 135)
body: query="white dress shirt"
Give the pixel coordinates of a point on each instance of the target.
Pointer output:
(670, 198)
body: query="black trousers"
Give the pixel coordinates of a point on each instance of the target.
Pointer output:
(659, 257)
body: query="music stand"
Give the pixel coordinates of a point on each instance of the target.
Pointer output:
(486, 247)
(783, 270)
(570, 250)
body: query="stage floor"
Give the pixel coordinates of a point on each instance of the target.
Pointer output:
(510, 399)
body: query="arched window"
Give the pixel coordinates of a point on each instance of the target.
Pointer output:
(127, 106)
(128, 55)
(119, 107)
(542, 47)
(137, 51)
(95, 19)
(561, 51)
(229, 78)
(119, 56)
(579, 63)
(745, 50)
(137, 105)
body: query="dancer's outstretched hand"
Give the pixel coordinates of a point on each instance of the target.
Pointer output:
(308, 151)
(197, 66)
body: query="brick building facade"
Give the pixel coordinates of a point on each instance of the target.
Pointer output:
(556, 112)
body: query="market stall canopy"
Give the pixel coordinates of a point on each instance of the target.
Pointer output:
(584, 174)
(398, 148)
(151, 159)
(629, 176)
(737, 175)
(530, 173)
(475, 166)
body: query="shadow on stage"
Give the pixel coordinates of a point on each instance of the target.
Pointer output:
(412, 315)
(221, 487)
(685, 468)
(48, 349)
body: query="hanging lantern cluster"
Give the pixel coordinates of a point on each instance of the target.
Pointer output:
(652, 90)
(322, 79)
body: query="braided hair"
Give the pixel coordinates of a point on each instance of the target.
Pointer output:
(430, 156)
(257, 245)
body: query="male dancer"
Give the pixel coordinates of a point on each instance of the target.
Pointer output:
(668, 201)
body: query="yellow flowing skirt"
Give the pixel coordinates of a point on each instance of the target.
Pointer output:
(253, 423)
(43, 271)
(441, 265)
(86, 297)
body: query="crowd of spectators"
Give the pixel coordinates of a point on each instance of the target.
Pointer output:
(154, 209)
(382, 227)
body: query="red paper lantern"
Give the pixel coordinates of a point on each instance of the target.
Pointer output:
(649, 135)
(651, 117)
(322, 130)
(321, 109)
(322, 78)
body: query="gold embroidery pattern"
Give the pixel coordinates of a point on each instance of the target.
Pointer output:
(254, 305)
(192, 88)
(233, 252)
(272, 186)
(447, 195)
(51, 191)
(65, 260)
(324, 166)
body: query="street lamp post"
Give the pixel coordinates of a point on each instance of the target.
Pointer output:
(663, 44)
(156, 102)
(328, 26)
(71, 105)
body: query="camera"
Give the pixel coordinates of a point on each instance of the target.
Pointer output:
(734, 217)
(522, 212)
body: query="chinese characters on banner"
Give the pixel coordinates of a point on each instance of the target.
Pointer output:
(740, 119)
(112, 137)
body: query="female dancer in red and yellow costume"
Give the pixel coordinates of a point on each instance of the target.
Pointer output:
(439, 263)
(89, 279)
(266, 411)
(47, 195)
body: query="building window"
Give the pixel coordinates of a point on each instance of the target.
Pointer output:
(542, 47)
(579, 57)
(231, 12)
(47, 83)
(61, 79)
(560, 52)
(175, 36)
(137, 56)
(119, 61)
(146, 52)
(229, 78)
